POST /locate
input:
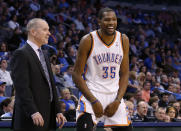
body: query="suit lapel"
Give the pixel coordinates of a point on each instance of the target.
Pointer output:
(36, 59)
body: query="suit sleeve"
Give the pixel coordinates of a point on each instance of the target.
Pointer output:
(21, 80)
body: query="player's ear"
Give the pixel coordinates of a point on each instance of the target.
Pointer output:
(99, 22)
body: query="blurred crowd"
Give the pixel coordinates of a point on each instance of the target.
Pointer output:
(153, 92)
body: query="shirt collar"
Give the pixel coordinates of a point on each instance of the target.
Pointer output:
(33, 45)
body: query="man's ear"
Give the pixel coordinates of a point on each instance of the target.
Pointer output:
(99, 22)
(33, 32)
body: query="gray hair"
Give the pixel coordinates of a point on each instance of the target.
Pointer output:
(33, 23)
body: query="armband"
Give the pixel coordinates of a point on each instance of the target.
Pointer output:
(92, 103)
(118, 100)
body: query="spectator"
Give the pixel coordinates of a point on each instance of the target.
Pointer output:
(6, 77)
(148, 76)
(160, 114)
(145, 93)
(171, 96)
(130, 109)
(164, 81)
(133, 49)
(176, 105)
(62, 60)
(17, 39)
(143, 69)
(35, 6)
(4, 106)
(158, 87)
(177, 88)
(158, 73)
(141, 115)
(172, 112)
(7, 105)
(129, 97)
(68, 77)
(78, 22)
(2, 91)
(53, 59)
(71, 102)
(62, 107)
(134, 60)
(137, 97)
(132, 83)
(13, 24)
(164, 100)
(153, 105)
(58, 76)
(71, 55)
(3, 50)
(150, 61)
(141, 79)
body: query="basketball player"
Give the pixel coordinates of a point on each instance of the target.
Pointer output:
(105, 54)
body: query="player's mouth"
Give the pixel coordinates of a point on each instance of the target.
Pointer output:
(111, 29)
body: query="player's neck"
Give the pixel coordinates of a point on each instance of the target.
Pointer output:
(103, 34)
(106, 38)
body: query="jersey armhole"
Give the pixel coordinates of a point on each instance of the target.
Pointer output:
(122, 42)
(90, 50)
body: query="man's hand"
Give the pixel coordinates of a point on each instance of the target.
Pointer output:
(60, 120)
(98, 109)
(37, 119)
(111, 108)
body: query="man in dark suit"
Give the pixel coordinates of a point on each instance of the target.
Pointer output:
(36, 102)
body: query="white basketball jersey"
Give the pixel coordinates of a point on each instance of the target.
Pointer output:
(103, 64)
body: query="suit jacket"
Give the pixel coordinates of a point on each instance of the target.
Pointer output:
(32, 93)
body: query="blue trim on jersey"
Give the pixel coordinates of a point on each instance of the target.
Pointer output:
(82, 106)
(81, 103)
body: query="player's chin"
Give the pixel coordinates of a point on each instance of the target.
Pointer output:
(110, 32)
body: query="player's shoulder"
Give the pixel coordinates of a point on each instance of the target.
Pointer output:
(85, 43)
(86, 39)
(123, 35)
(125, 41)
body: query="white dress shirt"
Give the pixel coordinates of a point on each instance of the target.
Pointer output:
(6, 77)
(35, 48)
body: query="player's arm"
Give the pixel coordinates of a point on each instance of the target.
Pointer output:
(83, 52)
(82, 55)
(124, 69)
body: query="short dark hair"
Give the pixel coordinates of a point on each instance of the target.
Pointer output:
(152, 100)
(5, 102)
(164, 94)
(128, 96)
(106, 9)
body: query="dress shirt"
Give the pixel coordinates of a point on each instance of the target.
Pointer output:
(6, 77)
(35, 47)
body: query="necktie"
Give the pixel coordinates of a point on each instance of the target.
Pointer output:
(44, 65)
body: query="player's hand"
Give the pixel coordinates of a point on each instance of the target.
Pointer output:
(98, 109)
(37, 119)
(111, 108)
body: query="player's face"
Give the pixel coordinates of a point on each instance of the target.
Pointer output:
(108, 23)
